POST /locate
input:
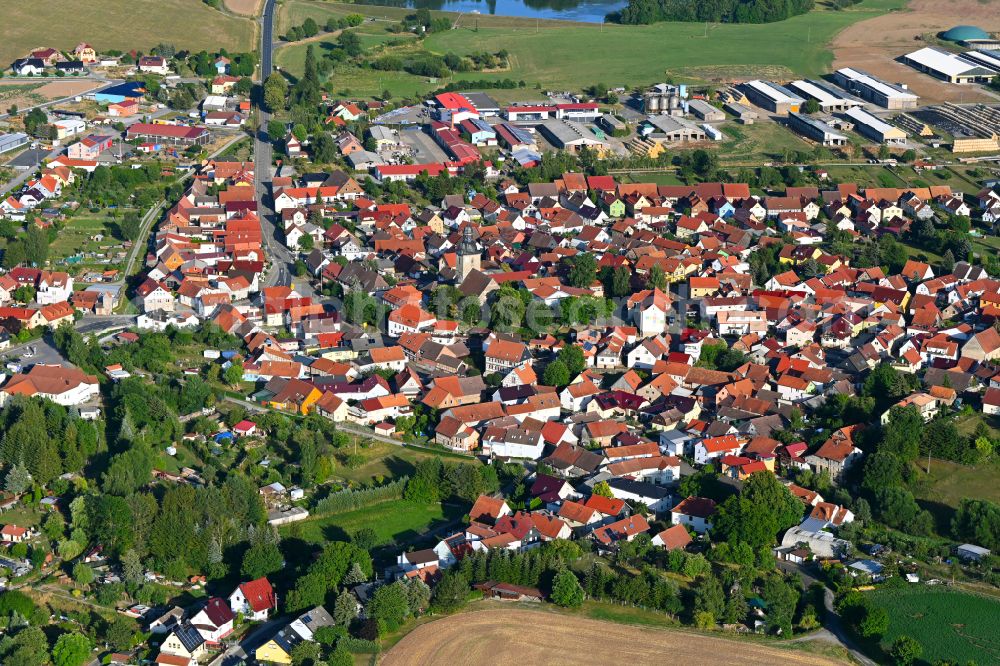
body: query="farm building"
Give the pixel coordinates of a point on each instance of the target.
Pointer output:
(705, 111)
(874, 90)
(816, 130)
(971, 36)
(949, 67)
(611, 124)
(988, 59)
(714, 133)
(744, 114)
(772, 97)
(669, 129)
(828, 98)
(569, 135)
(875, 128)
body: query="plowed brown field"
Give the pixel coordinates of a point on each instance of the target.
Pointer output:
(516, 637)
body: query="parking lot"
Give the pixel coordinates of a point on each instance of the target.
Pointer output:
(36, 351)
(424, 148)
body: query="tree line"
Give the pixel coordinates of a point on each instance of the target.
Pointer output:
(716, 11)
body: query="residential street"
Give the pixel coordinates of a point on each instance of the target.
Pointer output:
(281, 268)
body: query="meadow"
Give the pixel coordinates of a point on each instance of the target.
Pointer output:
(551, 53)
(119, 24)
(951, 626)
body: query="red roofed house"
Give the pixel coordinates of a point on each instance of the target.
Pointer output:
(488, 509)
(255, 599)
(245, 428)
(837, 454)
(14, 534)
(625, 529)
(64, 386)
(215, 621)
(694, 512)
(672, 538)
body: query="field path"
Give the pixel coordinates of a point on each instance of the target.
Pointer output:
(516, 636)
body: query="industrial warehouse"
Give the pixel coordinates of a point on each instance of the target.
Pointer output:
(876, 129)
(828, 98)
(875, 90)
(949, 67)
(773, 97)
(816, 130)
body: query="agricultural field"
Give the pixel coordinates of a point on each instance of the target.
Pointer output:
(119, 24)
(512, 635)
(243, 7)
(952, 626)
(24, 95)
(548, 53)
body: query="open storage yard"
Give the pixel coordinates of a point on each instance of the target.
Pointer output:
(118, 24)
(548, 53)
(517, 636)
(874, 44)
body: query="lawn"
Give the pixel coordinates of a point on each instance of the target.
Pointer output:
(387, 461)
(119, 24)
(397, 524)
(948, 483)
(561, 55)
(951, 626)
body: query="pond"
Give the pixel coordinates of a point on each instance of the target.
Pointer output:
(588, 11)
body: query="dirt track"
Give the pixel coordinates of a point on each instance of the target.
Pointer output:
(516, 636)
(874, 44)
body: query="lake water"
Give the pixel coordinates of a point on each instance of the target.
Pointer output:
(589, 11)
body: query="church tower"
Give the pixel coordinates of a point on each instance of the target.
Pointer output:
(468, 258)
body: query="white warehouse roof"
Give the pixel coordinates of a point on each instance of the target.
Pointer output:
(775, 93)
(948, 64)
(990, 59)
(862, 117)
(821, 95)
(891, 92)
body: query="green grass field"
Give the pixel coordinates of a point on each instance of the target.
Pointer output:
(941, 491)
(950, 625)
(396, 523)
(119, 24)
(551, 53)
(387, 461)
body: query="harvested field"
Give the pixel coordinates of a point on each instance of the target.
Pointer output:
(25, 95)
(874, 44)
(243, 7)
(119, 24)
(517, 636)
